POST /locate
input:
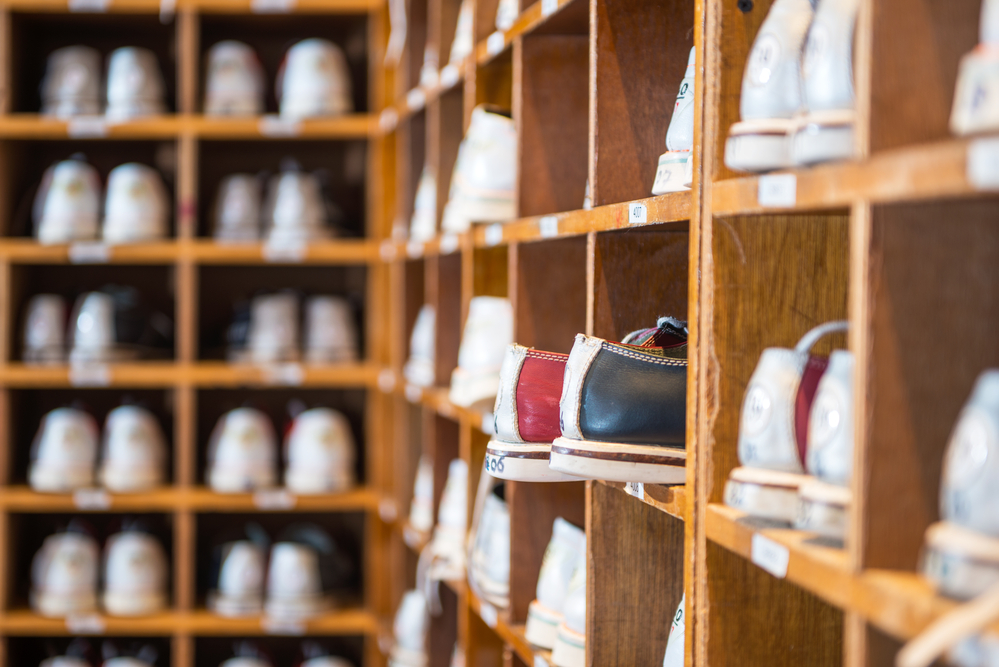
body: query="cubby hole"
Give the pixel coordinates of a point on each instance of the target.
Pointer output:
(928, 283)
(25, 163)
(280, 651)
(34, 650)
(416, 44)
(339, 165)
(26, 532)
(224, 288)
(446, 127)
(272, 35)
(414, 293)
(34, 36)
(29, 406)
(549, 293)
(443, 22)
(635, 83)
(443, 630)
(444, 292)
(494, 82)
(411, 153)
(155, 286)
(442, 437)
(775, 277)
(344, 572)
(278, 404)
(411, 436)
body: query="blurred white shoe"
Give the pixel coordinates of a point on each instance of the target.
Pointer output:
(321, 453)
(94, 337)
(506, 14)
(64, 575)
(488, 332)
(134, 450)
(237, 209)
(136, 206)
(544, 615)
(273, 335)
(45, 330)
(484, 180)
(412, 622)
(295, 211)
(446, 550)
(294, 585)
(674, 645)
(64, 452)
(489, 551)
(676, 165)
(421, 510)
(570, 638)
(464, 37)
(135, 575)
(246, 662)
(420, 367)
(423, 225)
(327, 661)
(64, 661)
(134, 85)
(976, 99)
(330, 330)
(314, 80)
(72, 83)
(242, 454)
(235, 81)
(126, 661)
(771, 90)
(68, 202)
(240, 590)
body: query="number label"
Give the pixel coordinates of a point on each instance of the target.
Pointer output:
(89, 252)
(637, 213)
(548, 8)
(85, 624)
(273, 499)
(770, 556)
(91, 499)
(494, 234)
(282, 626)
(415, 99)
(636, 489)
(495, 464)
(388, 119)
(449, 76)
(284, 375)
(548, 226)
(273, 125)
(983, 164)
(284, 253)
(89, 375)
(495, 43)
(778, 190)
(86, 127)
(488, 613)
(449, 243)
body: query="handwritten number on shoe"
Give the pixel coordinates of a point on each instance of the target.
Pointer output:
(494, 463)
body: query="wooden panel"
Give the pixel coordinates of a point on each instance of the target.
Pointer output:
(443, 630)
(494, 82)
(491, 271)
(549, 293)
(449, 323)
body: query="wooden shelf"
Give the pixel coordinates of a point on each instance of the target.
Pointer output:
(437, 399)
(669, 499)
(207, 6)
(346, 621)
(529, 20)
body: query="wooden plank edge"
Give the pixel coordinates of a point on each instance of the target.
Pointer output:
(669, 499)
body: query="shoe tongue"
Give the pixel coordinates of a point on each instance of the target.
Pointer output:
(669, 332)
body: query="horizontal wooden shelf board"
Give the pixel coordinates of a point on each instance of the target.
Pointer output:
(437, 399)
(527, 22)
(512, 635)
(348, 621)
(206, 6)
(669, 499)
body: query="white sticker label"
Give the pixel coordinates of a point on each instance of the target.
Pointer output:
(413, 393)
(769, 555)
(284, 252)
(91, 499)
(271, 6)
(488, 614)
(449, 76)
(387, 251)
(983, 164)
(778, 190)
(494, 234)
(284, 375)
(388, 511)
(388, 119)
(538, 660)
(637, 213)
(274, 499)
(448, 244)
(636, 489)
(548, 226)
(282, 626)
(86, 127)
(495, 43)
(548, 7)
(89, 375)
(85, 624)
(414, 249)
(415, 99)
(273, 125)
(386, 380)
(89, 252)
(99, 6)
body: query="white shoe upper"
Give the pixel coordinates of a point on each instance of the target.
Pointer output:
(237, 208)
(45, 329)
(135, 574)
(421, 511)
(134, 84)
(295, 211)
(674, 645)
(68, 203)
(564, 551)
(134, 450)
(243, 453)
(446, 550)
(274, 335)
(830, 427)
(827, 63)
(64, 574)
(72, 82)
(506, 13)
(330, 330)
(423, 225)
(489, 560)
(242, 573)
(293, 574)
(64, 452)
(411, 624)
(235, 81)
(321, 452)
(420, 367)
(314, 81)
(94, 334)
(488, 331)
(680, 135)
(136, 206)
(574, 608)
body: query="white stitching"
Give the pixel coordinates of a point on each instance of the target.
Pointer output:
(546, 355)
(645, 358)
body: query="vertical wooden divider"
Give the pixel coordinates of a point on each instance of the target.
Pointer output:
(6, 57)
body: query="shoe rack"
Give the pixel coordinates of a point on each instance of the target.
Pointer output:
(900, 241)
(194, 280)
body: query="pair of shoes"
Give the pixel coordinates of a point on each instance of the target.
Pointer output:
(797, 417)
(72, 83)
(614, 411)
(319, 445)
(675, 171)
(79, 653)
(67, 205)
(108, 325)
(247, 653)
(314, 81)
(64, 573)
(64, 452)
(564, 556)
(269, 332)
(798, 102)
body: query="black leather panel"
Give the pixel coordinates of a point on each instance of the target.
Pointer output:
(634, 398)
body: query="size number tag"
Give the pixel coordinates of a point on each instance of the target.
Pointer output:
(494, 234)
(488, 614)
(271, 6)
(415, 99)
(89, 252)
(449, 243)
(548, 226)
(91, 499)
(414, 249)
(98, 6)
(778, 190)
(274, 499)
(983, 164)
(769, 555)
(449, 76)
(495, 464)
(388, 119)
(548, 8)
(283, 253)
(86, 127)
(284, 375)
(636, 489)
(386, 380)
(637, 213)
(272, 125)
(540, 661)
(85, 624)
(495, 43)
(89, 375)
(282, 626)
(413, 393)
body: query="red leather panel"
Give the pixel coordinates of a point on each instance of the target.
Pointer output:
(538, 392)
(814, 370)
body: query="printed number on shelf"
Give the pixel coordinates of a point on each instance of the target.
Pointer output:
(488, 614)
(85, 624)
(983, 164)
(494, 234)
(387, 251)
(414, 249)
(778, 190)
(548, 8)
(636, 489)
(89, 252)
(282, 626)
(769, 555)
(91, 499)
(388, 119)
(548, 226)
(89, 375)
(273, 125)
(271, 6)
(284, 252)
(273, 499)
(495, 43)
(637, 213)
(285, 375)
(98, 6)
(494, 464)
(386, 380)
(86, 127)
(448, 244)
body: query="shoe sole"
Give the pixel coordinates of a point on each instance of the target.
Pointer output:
(542, 625)
(758, 152)
(521, 462)
(818, 142)
(777, 501)
(570, 648)
(615, 462)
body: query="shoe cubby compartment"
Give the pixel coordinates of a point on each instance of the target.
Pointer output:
(272, 35)
(442, 20)
(25, 163)
(223, 287)
(276, 403)
(412, 155)
(408, 70)
(282, 651)
(444, 288)
(340, 165)
(31, 651)
(493, 83)
(27, 407)
(446, 124)
(635, 83)
(549, 292)
(346, 529)
(33, 36)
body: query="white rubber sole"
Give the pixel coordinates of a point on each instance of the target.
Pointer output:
(815, 143)
(758, 152)
(234, 607)
(776, 500)
(615, 462)
(542, 625)
(55, 605)
(522, 462)
(570, 648)
(672, 172)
